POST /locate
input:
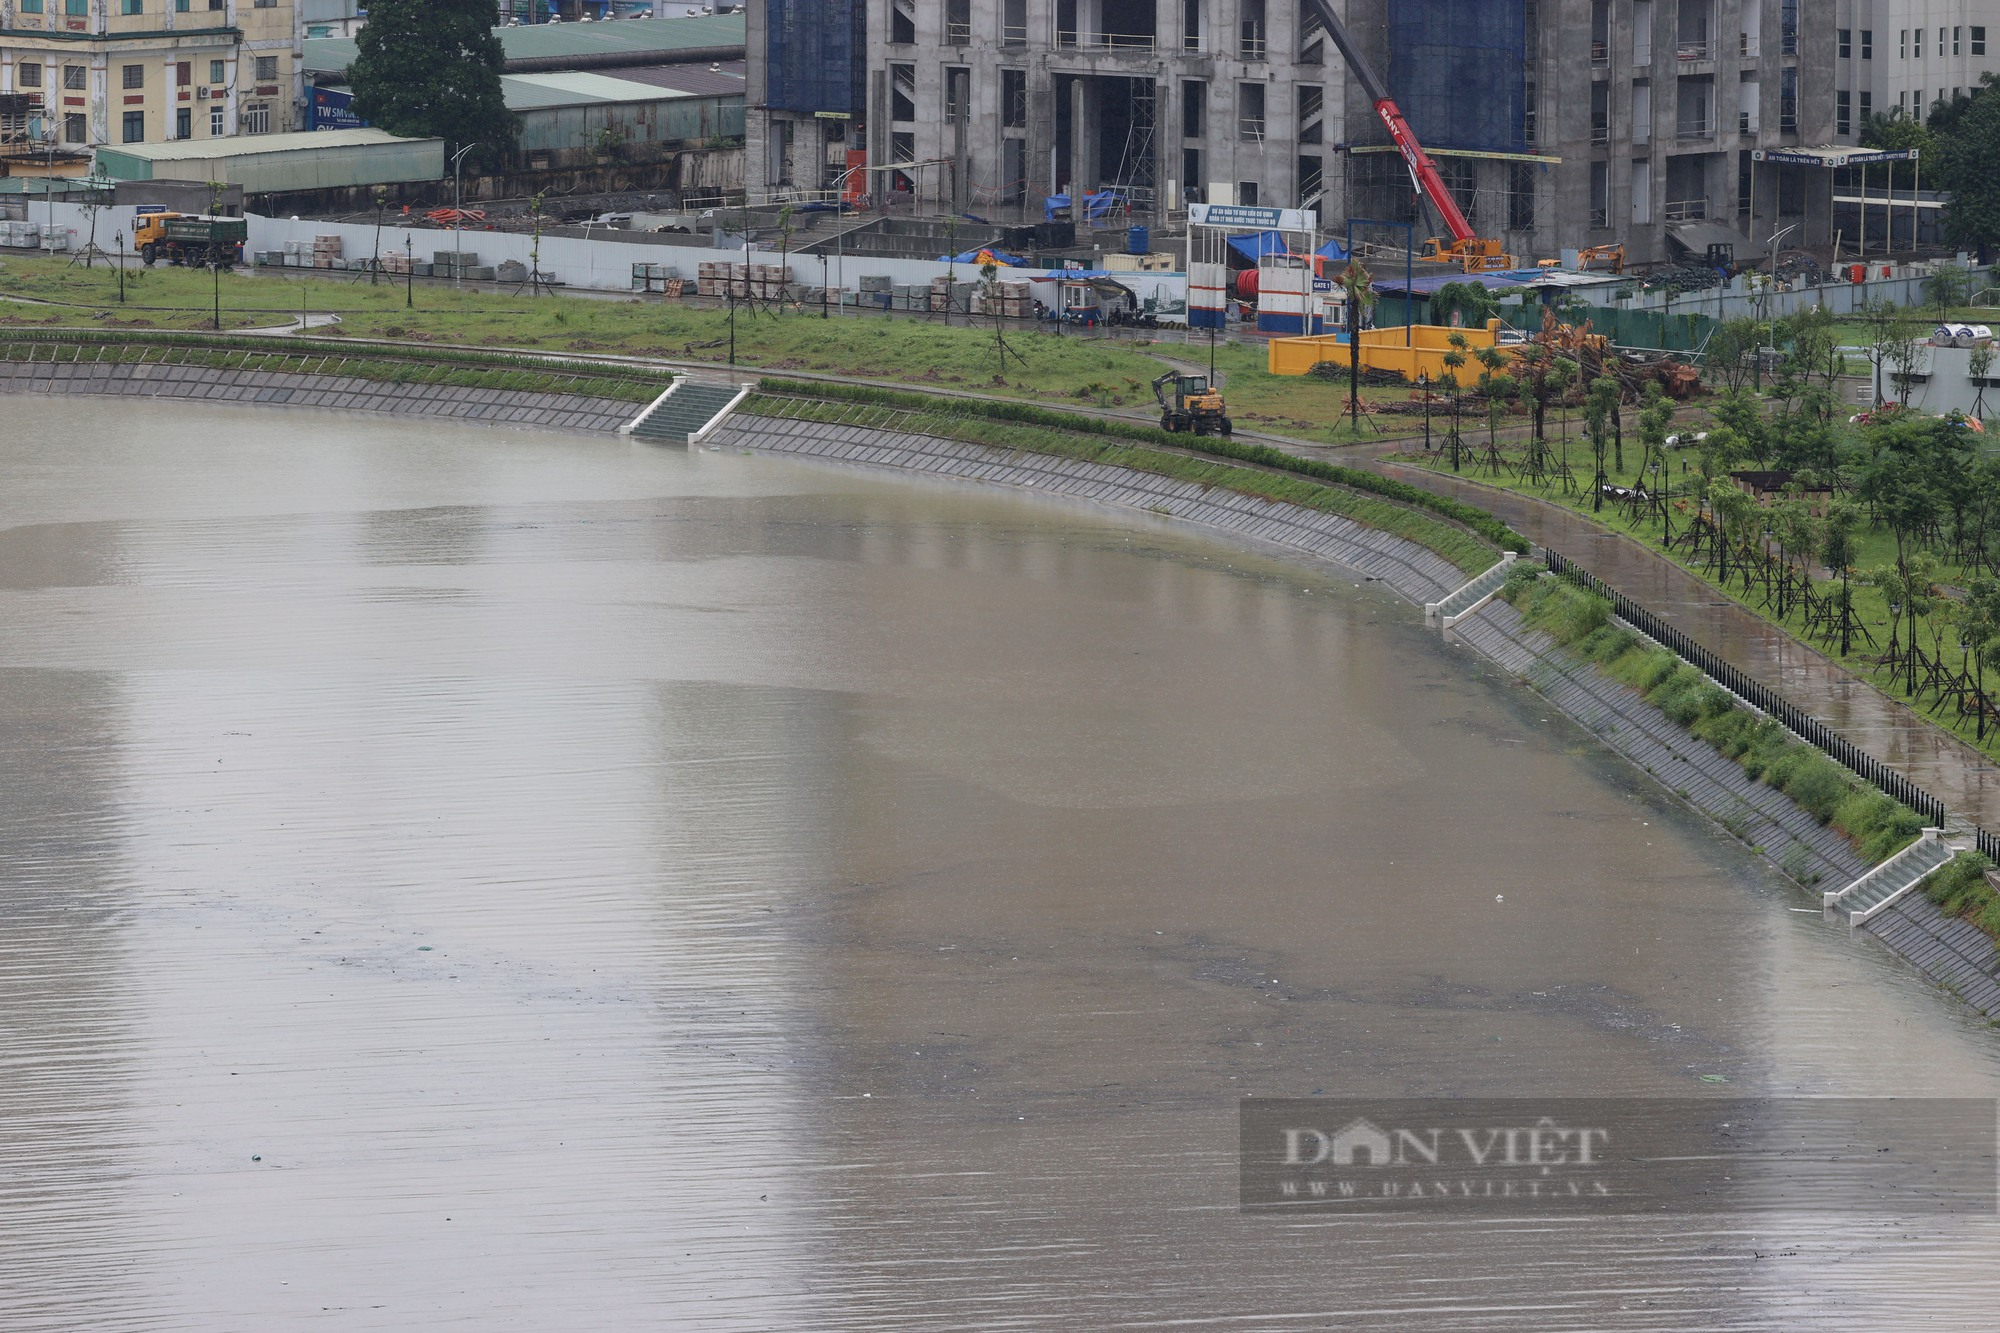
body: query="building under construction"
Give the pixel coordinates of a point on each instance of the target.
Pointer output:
(1557, 124)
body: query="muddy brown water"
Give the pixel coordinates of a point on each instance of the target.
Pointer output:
(478, 878)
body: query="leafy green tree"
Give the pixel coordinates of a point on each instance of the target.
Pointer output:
(1731, 351)
(1894, 131)
(1497, 386)
(431, 68)
(1946, 287)
(1470, 302)
(1964, 169)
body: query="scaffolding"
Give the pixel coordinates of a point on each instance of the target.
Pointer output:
(1458, 70)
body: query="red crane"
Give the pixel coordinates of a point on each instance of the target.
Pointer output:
(1466, 247)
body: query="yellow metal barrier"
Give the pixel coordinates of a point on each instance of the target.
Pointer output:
(1386, 349)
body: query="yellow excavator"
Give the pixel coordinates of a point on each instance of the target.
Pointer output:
(1191, 406)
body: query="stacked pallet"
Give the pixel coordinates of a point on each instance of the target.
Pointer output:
(655, 277)
(457, 264)
(712, 279)
(22, 235)
(326, 252)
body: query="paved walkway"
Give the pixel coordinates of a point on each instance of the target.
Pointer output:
(1966, 781)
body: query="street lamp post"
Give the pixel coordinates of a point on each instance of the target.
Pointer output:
(409, 273)
(1424, 380)
(121, 268)
(458, 213)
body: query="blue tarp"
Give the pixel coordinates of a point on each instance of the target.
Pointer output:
(1095, 206)
(1255, 245)
(972, 257)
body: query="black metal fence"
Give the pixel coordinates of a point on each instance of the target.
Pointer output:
(1988, 843)
(1803, 724)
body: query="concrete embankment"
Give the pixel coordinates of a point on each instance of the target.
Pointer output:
(508, 407)
(1951, 953)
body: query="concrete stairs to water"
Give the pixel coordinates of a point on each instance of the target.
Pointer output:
(1880, 889)
(1469, 598)
(687, 412)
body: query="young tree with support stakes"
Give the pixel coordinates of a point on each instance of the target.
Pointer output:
(1836, 552)
(1599, 402)
(1496, 385)
(1454, 362)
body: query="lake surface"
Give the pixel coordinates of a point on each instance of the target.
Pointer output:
(465, 876)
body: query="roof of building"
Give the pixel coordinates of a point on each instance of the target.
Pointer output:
(636, 39)
(326, 11)
(537, 92)
(724, 79)
(252, 145)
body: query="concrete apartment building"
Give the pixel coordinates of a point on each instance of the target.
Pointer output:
(1558, 123)
(1900, 57)
(150, 71)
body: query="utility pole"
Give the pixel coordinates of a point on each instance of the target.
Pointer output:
(409, 273)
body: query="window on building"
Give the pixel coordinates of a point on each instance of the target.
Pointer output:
(31, 6)
(1014, 23)
(1788, 100)
(1529, 119)
(1843, 111)
(1190, 25)
(216, 125)
(184, 122)
(134, 75)
(1014, 98)
(1191, 173)
(1312, 180)
(215, 71)
(1788, 27)
(1867, 43)
(1956, 35)
(1978, 40)
(132, 7)
(267, 69)
(1845, 42)
(1600, 194)
(902, 25)
(1312, 108)
(76, 129)
(958, 22)
(1902, 43)
(264, 4)
(1194, 109)
(1642, 191)
(29, 75)
(73, 77)
(215, 4)
(77, 9)
(1865, 105)
(257, 118)
(1600, 113)
(183, 6)
(1916, 43)
(1254, 34)
(957, 93)
(1940, 45)
(1521, 197)
(1642, 113)
(902, 146)
(135, 127)
(1250, 112)
(1246, 193)
(902, 92)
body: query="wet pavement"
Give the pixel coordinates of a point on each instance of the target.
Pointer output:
(1966, 781)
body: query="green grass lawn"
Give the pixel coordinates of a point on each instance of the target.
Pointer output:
(1874, 545)
(1103, 373)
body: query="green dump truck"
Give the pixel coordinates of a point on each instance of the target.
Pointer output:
(190, 239)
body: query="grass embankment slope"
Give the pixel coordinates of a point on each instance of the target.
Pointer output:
(1470, 538)
(1874, 546)
(1579, 620)
(1087, 371)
